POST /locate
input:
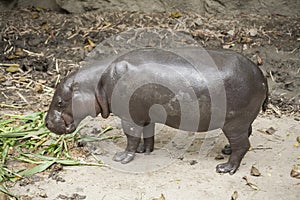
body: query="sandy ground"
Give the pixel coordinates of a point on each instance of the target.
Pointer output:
(189, 177)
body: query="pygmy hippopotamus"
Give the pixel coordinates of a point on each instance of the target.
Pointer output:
(190, 89)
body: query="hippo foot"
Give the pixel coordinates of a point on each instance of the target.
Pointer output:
(143, 149)
(123, 157)
(226, 168)
(227, 150)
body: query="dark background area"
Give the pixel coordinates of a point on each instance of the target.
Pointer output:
(43, 41)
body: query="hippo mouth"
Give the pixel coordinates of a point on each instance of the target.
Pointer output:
(70, 128)
(69, 123)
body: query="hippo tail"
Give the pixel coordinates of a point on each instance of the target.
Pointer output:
(266, 101)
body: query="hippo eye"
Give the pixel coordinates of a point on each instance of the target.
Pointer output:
(59, 103)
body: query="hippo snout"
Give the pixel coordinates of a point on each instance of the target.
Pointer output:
(56, 123)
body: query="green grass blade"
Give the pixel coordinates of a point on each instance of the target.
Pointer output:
(39, 168)
(5, 191)
(89, 139)
(34, 116)
(106, 130)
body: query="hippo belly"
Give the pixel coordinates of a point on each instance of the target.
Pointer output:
(171, 90)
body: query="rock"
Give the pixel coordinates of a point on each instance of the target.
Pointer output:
(203, 7)
(75, 6)
(8, 4)
(46, 4)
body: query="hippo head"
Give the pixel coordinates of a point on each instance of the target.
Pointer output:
(75, 98)
(59, 118)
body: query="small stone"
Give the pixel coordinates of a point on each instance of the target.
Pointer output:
(43, 195)
(253, 32)
(231, 32)
(61, 196)
(78, 196)
(193, 162)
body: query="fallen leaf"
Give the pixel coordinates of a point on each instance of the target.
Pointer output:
(234, 196)
(298, 157)
(23, 79)
(295, 173)
(107, 24)
(228, 46)
(13, 68)
(35, 15)
(2, 78)
(244, 40)
(38, 88)
(19, 52)
(91, 43)
(162, 197)
(219, 157)
(12, 57)
(296, 145)
(259, 60)
(270, 131)
(45, 26)
(39, 9)
(42, 81)
(298, 139)
(253, 186)
(254, 171)
(176, 15)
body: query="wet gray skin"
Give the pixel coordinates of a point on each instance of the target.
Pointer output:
(187, 88)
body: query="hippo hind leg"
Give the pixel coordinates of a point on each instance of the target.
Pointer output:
(148, 138)
(227, 149)
(239, 144)
(133, 133)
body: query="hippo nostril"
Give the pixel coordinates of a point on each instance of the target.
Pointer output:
(48, 124)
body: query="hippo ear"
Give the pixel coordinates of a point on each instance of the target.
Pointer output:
(74, 86)
(102, 101)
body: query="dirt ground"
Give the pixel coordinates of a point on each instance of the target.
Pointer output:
(38, 47)
(180, 175)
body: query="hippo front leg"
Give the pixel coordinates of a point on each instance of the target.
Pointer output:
(239, 144)
(148, 137)
(133, 133)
